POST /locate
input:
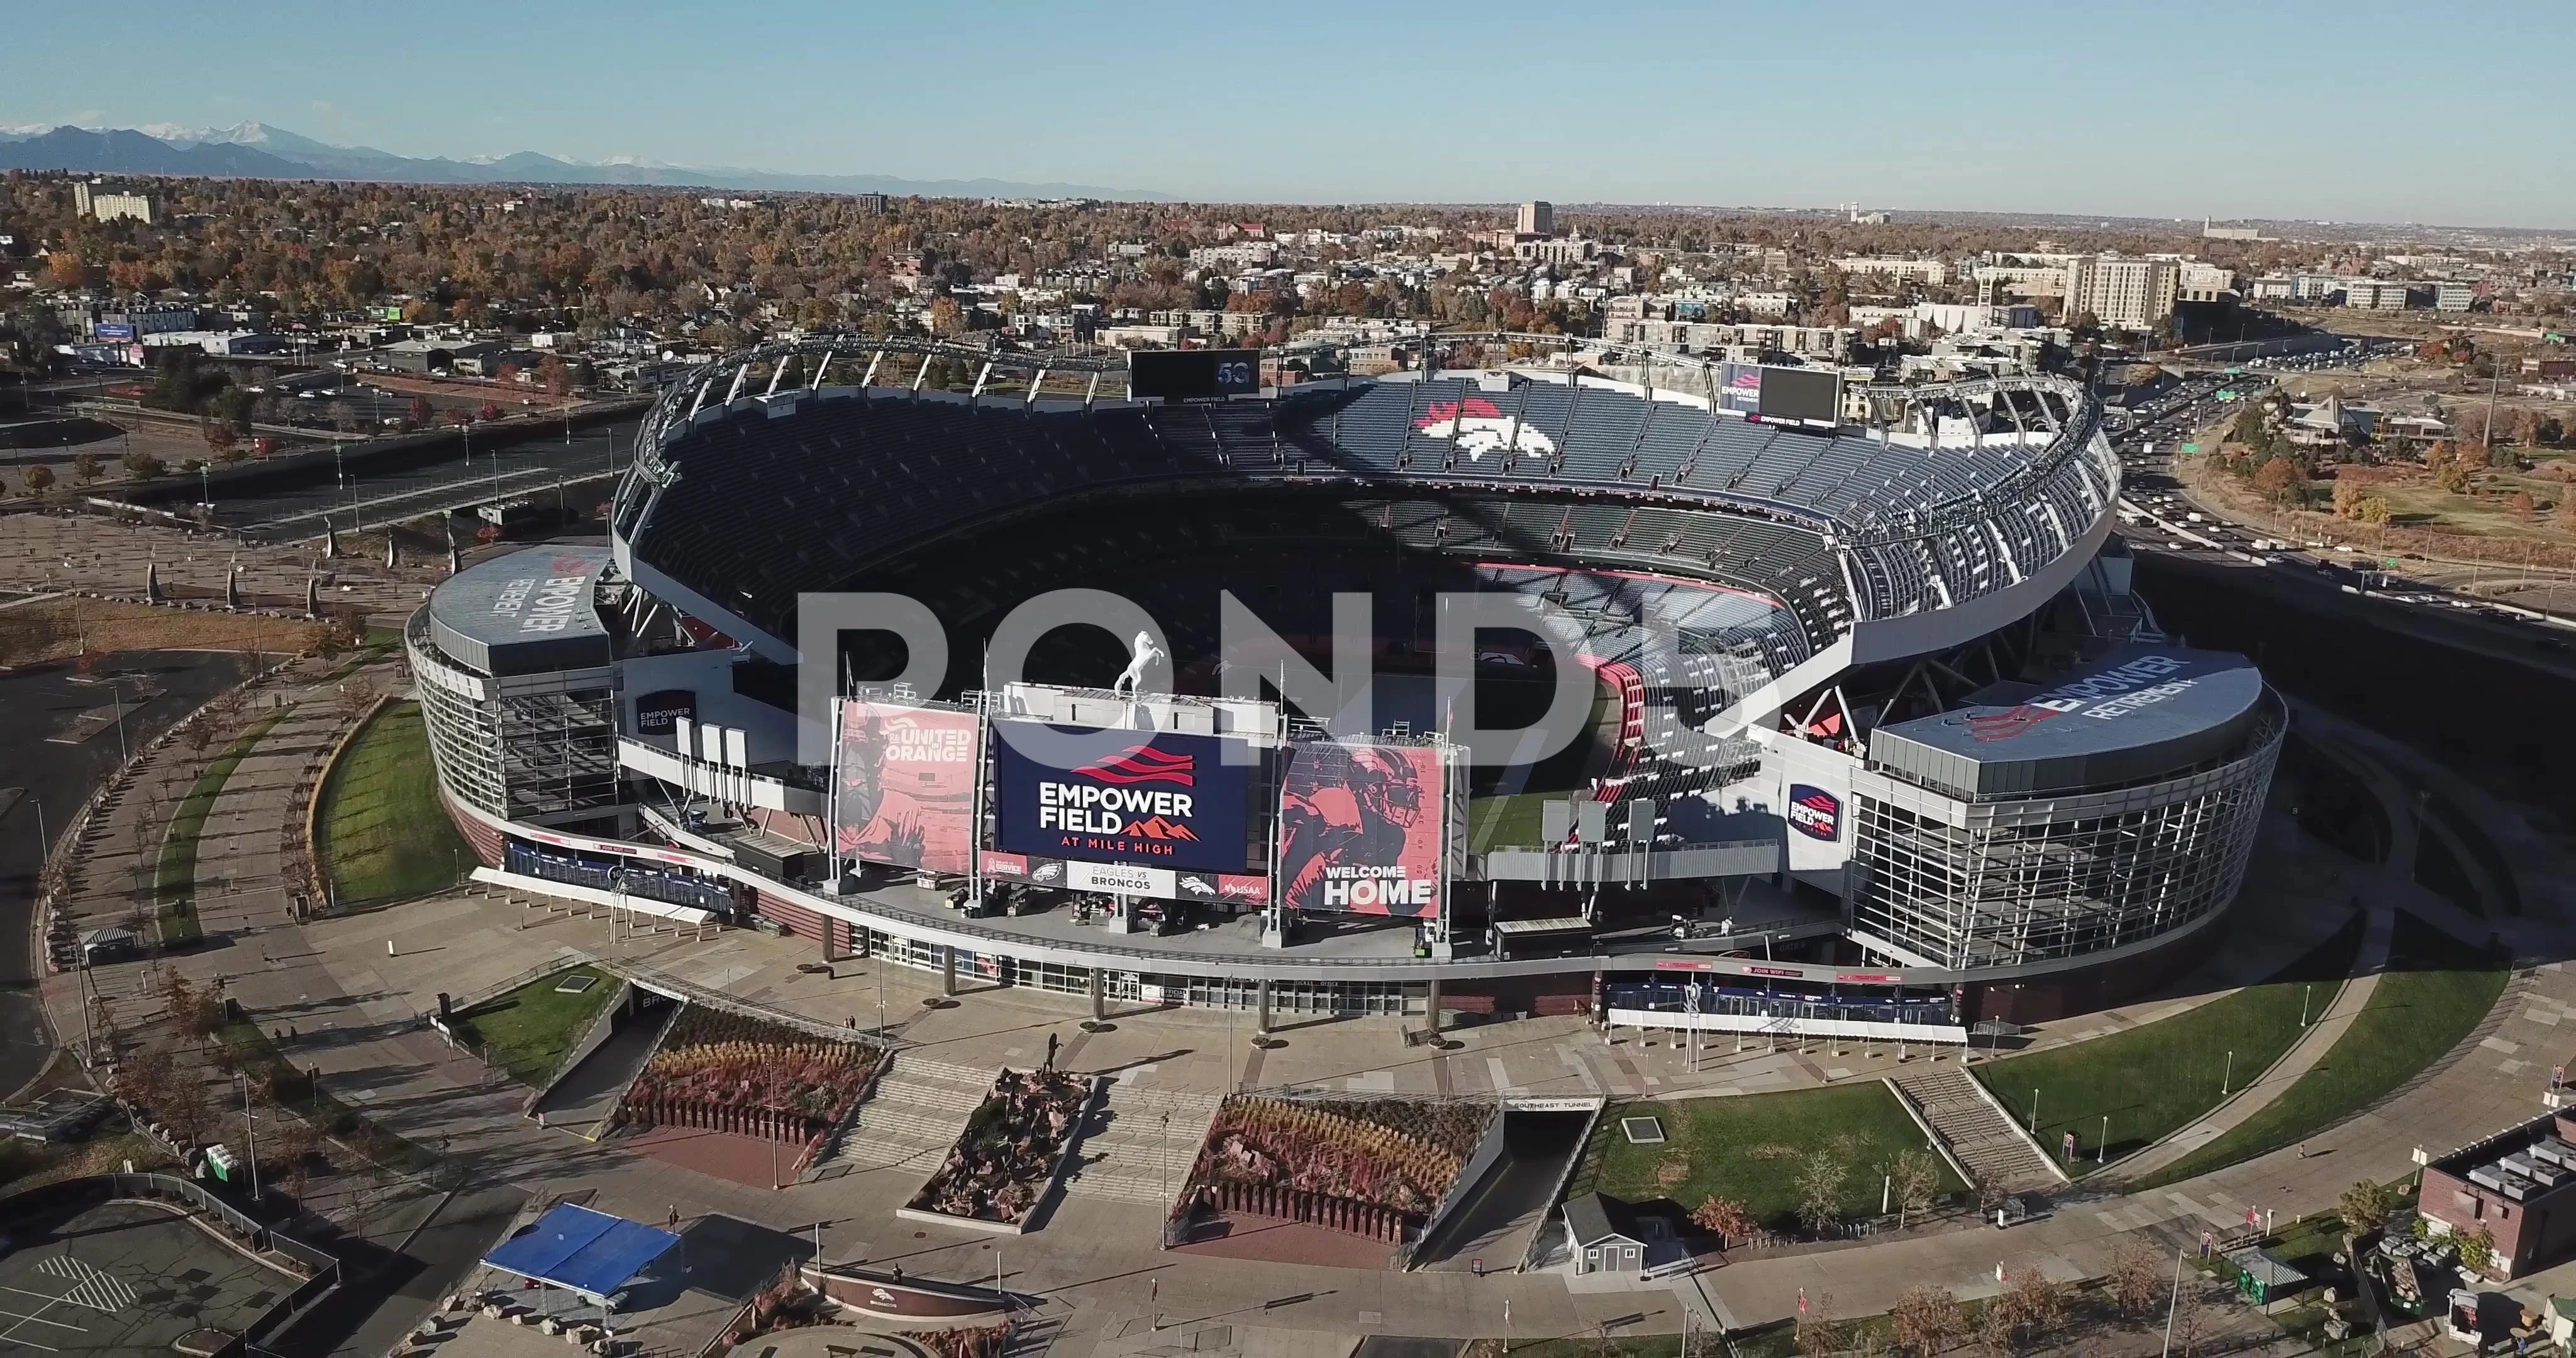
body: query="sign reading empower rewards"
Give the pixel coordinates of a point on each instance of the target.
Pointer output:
(1153, 799)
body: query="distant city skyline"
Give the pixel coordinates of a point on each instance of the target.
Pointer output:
(2345, 112)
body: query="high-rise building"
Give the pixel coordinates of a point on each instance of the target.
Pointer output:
(2124, 294)
(1537, 219)
(106, 202)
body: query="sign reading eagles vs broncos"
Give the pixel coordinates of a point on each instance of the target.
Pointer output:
(1154, 798)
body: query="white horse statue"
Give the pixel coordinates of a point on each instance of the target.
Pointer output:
(1151, 665)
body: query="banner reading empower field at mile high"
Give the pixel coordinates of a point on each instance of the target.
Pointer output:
(1361, 828)
(907, 785)
(1152, 798)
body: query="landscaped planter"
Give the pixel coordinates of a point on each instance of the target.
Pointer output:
(1015, 1149)
(1372, 1167)
(726, 1072)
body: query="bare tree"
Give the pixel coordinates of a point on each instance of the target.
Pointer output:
(357, 694)
(1929, 1320)
(1821, 1173)
(2135, 1278)
(185, 1111)
(145, 1081)
(297, 1148)
(2024, 1312)
(1918, 1183)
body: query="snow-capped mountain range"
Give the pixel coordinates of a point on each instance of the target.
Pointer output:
(260, 151)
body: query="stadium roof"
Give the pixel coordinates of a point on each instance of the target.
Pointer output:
(583, 1251)
(524, 613)
(1963, 505)
(2131, 712)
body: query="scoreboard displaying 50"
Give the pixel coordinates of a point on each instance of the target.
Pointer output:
(1182, 374)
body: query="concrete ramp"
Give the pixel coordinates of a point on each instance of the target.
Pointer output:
(582, 1101)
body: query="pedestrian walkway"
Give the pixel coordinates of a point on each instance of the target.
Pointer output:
(1979, 1136)
(911, 1119)
(2350, 1000)
(77, 553)
(1143, 1143)
(242, 843)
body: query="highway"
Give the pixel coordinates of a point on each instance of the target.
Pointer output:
(2157, 515)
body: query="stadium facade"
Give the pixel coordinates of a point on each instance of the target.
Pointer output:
(1876, 737)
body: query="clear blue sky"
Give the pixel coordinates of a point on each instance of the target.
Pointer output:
(2453, 113)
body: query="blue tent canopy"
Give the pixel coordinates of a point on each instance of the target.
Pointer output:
(588, 1252)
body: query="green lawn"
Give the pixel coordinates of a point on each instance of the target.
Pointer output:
(1507, 822)
(383, 833)
(1746, 1148)
(2158, 1077)
(2435, 992)
(174, 873)
(530, 1031)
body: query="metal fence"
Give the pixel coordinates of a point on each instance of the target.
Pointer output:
(321, 1267)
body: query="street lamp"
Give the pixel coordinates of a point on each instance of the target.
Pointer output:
(250, 1122)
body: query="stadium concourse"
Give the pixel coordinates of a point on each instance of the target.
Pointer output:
(1870, 738)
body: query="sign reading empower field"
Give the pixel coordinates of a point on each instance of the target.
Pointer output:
(905, 793)
(1151, 798)
(1361, 828)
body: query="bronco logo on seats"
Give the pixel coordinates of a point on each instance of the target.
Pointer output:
(1478, 427)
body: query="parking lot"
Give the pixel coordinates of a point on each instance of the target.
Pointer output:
(125, 1278)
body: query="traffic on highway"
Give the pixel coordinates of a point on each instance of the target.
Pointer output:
(2156, 514)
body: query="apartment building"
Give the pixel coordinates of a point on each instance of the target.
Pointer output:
(2124, 294)
(1928, 271)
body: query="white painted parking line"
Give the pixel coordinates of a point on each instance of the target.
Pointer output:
(92, 1286)
(35, 1317)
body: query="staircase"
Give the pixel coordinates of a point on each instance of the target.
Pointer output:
(1141, 1144)
(910, 1121)
(1994, 1152)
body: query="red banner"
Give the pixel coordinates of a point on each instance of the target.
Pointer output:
(907, 789)
(1361, 828)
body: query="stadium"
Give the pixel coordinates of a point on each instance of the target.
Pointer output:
(1868, 734)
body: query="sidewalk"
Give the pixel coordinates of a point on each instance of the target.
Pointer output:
(45, 553)
(355, 988)
(2302, 1057)
(2496, 1082)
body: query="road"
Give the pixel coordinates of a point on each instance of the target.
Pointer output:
(2158, 515)
(543, 468)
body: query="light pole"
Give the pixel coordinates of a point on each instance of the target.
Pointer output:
(2173, 1302)
(2228, 1080)
(250, 1121)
